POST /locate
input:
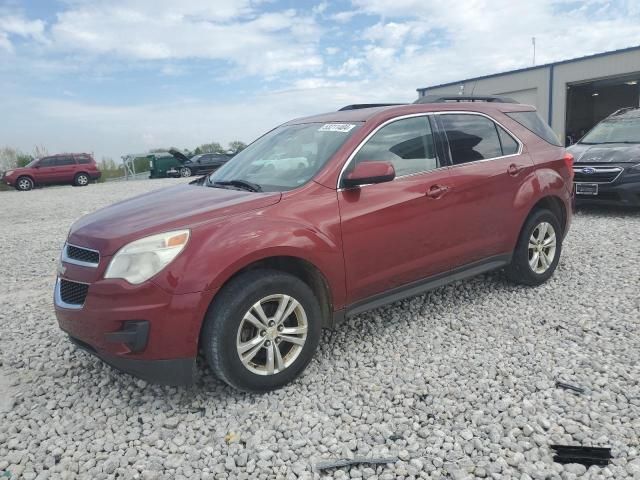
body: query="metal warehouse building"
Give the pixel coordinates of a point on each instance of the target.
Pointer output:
(572, 95)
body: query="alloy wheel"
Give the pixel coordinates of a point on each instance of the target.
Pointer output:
(185, 172)
(82, 180)
(542, 247)
(272, 334)
(24, 184)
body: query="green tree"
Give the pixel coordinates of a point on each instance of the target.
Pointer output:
(110, 169)
(237, 146)
(23, 159)
(213, 147)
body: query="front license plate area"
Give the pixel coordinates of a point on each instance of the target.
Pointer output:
(586, 189)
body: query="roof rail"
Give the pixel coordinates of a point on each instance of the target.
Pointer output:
(464, 98)
(357, 106)
(620, 111)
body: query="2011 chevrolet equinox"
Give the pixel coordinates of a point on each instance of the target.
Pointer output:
(320, 218)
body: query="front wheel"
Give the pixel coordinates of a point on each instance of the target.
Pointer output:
(24, 183)
(262, 330)
(185, 172)
(538, 250)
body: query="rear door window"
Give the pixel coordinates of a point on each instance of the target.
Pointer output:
(62, 161)
(471, 137)
(509, 145)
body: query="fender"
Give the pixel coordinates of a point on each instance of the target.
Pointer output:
(229, 245)
(540, 184)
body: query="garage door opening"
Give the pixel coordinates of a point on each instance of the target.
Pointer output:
(588, 103)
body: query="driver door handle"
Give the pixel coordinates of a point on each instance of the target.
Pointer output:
(437, 191)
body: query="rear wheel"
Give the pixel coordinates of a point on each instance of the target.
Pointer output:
(538, 251)
(81, 180)
(24, 183)
(261, 330)
(185, 172)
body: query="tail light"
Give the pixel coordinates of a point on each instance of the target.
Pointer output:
(568, 161)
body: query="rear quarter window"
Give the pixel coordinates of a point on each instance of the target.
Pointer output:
(532, 122)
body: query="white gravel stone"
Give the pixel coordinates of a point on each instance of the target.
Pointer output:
(458, 382)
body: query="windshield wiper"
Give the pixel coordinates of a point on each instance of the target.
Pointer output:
(243, 184)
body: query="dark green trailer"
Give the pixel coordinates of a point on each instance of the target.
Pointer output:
(163, 164)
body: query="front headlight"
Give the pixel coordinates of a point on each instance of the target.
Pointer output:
(8, 172)
(140, 260)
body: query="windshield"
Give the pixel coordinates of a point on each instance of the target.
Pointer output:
(286, 157)
(197, 157)
(32, 162)
(619, 130)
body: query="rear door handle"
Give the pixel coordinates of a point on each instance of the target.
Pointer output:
(437, 191)
(514, 169)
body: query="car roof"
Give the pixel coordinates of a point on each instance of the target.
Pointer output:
(66, 155)
(630, 112)
(369, 114)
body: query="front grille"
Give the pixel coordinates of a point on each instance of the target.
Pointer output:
(596, 174)
(73, 293)
(82, 254)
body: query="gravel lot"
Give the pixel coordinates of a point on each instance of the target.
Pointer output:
(457, 384)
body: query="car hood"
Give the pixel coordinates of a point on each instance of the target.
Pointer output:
(18, 170)
(163, 210)
(178, 155)
(609, 153)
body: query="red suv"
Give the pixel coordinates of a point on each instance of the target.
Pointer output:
(74, 168)
(320, 218)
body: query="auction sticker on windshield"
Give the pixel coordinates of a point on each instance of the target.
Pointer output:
(336, 127)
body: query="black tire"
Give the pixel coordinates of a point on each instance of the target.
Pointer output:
(520, 271)
(185, 172)
(224, 319)
(81, 180)
(24, 184)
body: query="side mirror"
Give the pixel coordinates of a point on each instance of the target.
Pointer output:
(367, 172)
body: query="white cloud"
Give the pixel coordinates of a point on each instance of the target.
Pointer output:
(227, 31)
(17, 25)
(424, 42)
(352, 67)
(344, 16)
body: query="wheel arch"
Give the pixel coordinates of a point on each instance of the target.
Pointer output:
(549, 202)
(303, 269)
(555, 205)
(27, 175)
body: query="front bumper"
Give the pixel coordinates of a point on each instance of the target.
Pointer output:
(613, 194)
(173, 372)
(139, 329)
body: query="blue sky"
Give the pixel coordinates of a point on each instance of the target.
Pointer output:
(115, 77)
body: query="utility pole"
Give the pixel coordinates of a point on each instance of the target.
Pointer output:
(533, 42)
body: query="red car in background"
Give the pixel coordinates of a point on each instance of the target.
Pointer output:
(64, 168)
(320, 218)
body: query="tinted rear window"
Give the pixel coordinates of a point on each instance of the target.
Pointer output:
(83, 160)
(532, 121)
